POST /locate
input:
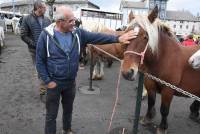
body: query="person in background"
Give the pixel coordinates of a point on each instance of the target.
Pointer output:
(31, 27)
(57, 62)
(188, 41)
(198, 41)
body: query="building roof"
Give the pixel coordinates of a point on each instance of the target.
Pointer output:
(180, 15)
(131, 4)
(27, 2)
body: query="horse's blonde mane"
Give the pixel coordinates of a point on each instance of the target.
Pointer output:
(152, 29)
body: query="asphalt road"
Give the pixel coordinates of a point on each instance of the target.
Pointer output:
(22, 112)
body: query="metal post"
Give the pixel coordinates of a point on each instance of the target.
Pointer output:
(138, 103)
(90, 89)
(13, 3)
(91, 72)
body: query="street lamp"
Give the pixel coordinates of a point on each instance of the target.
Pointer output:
(50, 3)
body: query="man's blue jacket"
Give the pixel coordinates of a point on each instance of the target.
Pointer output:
(53, 64)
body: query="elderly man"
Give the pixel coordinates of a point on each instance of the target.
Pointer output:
(57, 60)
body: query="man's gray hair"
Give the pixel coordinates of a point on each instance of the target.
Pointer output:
(60, 13)
(37, 4)
(58, 16)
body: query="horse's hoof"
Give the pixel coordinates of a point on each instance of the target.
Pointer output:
(145, 121)
(144, 93)
(99, 77)
(194, 117)
(161, 131)
(93, 77)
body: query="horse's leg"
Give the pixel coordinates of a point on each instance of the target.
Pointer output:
(99, 77)
(194, 108)
(144, 93)
(85, 55)
(110, 62)
(151, 91)
(166, 98)
(101, 69)
(94, 72)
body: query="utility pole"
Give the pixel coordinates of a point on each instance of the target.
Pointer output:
(13, 3)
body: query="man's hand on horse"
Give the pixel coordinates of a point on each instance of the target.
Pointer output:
(125, 38)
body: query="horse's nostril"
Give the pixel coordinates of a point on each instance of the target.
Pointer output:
(130, 73)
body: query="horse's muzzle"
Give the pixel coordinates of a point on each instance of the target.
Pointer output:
(129, 75)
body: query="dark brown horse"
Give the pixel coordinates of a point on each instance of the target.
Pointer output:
(156, 51)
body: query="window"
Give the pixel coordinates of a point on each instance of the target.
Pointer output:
(186, 26)
(180, 26)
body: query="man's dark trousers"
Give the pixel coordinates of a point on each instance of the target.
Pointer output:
(66, 89)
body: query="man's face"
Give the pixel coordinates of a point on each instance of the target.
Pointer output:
(42, 9)
(68, 23)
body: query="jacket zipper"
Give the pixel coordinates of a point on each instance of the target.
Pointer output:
(68, 58)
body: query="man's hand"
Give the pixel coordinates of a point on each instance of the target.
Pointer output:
(125, 38)
(51, 84)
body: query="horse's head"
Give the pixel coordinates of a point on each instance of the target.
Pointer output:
(146, 38)
(194, 60)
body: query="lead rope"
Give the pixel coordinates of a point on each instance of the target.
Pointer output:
(116, 99)
(117, 87)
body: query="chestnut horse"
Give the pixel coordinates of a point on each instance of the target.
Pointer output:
(99, 58)
(155, 51)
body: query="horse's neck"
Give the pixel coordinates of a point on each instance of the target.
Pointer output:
(167, 44)
(166, 50)
(114, 49)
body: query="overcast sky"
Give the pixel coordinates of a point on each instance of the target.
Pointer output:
(191, 5)
(113, 5)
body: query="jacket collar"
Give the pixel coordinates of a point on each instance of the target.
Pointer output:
(50, 29)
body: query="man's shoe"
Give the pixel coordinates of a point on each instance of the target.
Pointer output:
(69, 131)
(43, 98)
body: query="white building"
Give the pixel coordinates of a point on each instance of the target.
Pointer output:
(136, 7)
(83, 9)
(26, 6)
(182, 22)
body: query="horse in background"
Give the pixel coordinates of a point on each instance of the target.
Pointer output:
(194, 60)
(99, 57)
(2, 38)
(155, 51)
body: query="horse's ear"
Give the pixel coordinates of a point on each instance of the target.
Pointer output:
(153, 15)
(131, 16)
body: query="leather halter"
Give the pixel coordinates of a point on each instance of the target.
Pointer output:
(136, 53)
(140, 54)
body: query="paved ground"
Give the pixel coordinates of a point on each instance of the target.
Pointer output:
(21, 111)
